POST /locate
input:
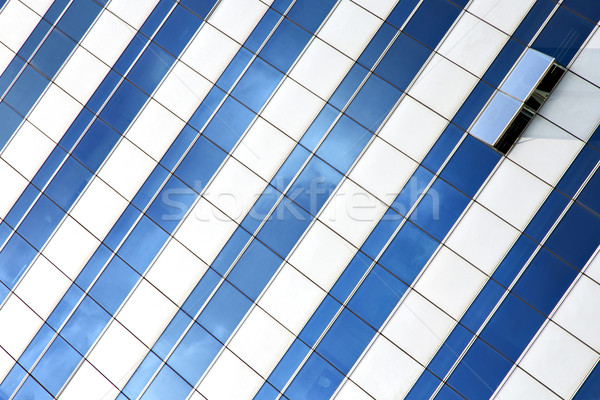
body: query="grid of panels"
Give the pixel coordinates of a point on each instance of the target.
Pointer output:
(310, 114)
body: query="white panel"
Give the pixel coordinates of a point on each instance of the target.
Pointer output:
(99, 208)
(126, 169)
(81, 75)
(321, 68)
(12, 184)
(418, 327)
(450, 283)
(386, 372)
(593, 268)
(42, 287)
(16, 24)
(558, 360)
(292, 109)
(545, 150)
(39, 6)
(6, 363)
(55, 112)
(28, 150)
(234, 189)
(229, 378)
(350, 391)
(237, 18)
(381, 8)
(261, 342)
(579, 313)
(23, 325)
(383, 170)
(291, 298)
(155, 129)
(473, 44)
(70, 247)
(586, 64)
(88, 384)
(352, 212)
(505, 15)
(263, 149)
(6, 56)
(182, 91)
(443, 86)
(413, 128)
(520, 386)
(513, 194)
(349, 28)
(134, 12)
(146, 313)
(109, 36)
(176, 272)
(117, 354)
(322, 255)
(574, 106)
(482, 238)
(205, 231)
(210, 52)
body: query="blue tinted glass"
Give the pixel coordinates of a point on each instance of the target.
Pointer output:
(316, 380)
(96, 144)
(172, 333)
(232, 249)
(578, 171)
(171, 204)
(351, 276)
(431, 21)
(589, 9)
(590, 390)
(284, 227)
(528, 71)
(319, 126)
(78, 17)
(114, 284)
(26, 90)
(590, 195)
(319, 321)
(261, 209)
(343, 144)
(447, 355)
(496, 117)
(93, 266)
(234, 69)
(346, 89)
(534, 19)
(123, 106)
(288, 364)
(373, 102)
(378, 44)
(32, 390)
(84, 325)
(128, 57)
(64, 307)
(546, 216)
(37, 36)
(150, 68)
(289, 168)
(514, 260)
(14, 258)
(309, 14)
(284, 45)
(254, 269)
(314, 185)
(52, 53)
(401, 12)
(266, 392)
(121, 228)
(402, 61)
(503, 62)
(68, 183)
(150, 187)
(483, 304)
(382, 232)
(20, 208)
(257, 84)
(442, 148)
(177, 30)
(200, 164)
(167, 385)
(200, 7)
(57, 364)
(143, 244)
(423, 387)
(103, 92)
(12, 381)
(473, 105)
(206, 108)
(262, 30)
(41, 222)
(142, 375)
(411, 191)
(178, 147)
(10, 122)
(228, 125)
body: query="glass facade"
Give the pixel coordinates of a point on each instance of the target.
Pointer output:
(299, 199)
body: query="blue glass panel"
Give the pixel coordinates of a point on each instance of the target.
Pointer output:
(200, 164)
(290, 168)
(121, 228)
(78, 17)
(447, 355)
(234, 69)
(483, 304)
(133, 50)
(266, 392)
(84, 326)
(178, 147)
(423, 387)
(32, 390)
(103, 92)
(68, 183)
(431, 21)
(309, 14)
(232, 249)
(114, 284)
(470, 165)
(314, 185)
(578, 171)
(402, 61)
(26, 90)
(495, 118)
(408, 196)
(167, 385)
(514, 261)
(288, 364)
(261, 209)
(123, 106)
(590, 390)
(546, 216)
(12, 381)
(57, 364)
(589, 9)
(177, 30)
(343, 144)
(172, 333)
(442, 148)
(262, 30)
(319, 321)
(96, 144)
(150, 68)
(171, 204)
(528, 71)
(285, 227)
(534, 19)
(319, 126)
(257, 84)
(346, 89)
(52, 53)
(93, 267)
(590, 195)
(143, 244)
(351, 276)
(373, 102)
(64, 307)
(448, 393)
(401, 12)
(150, 187)
(228, 125)
(141, 376)
(473, 105)
(41, 222)
(382, 232)
(379, 42)
(503, 62)
(316, 380)
(200, 7)
(285, 45)
(20, 208)
(37, 36)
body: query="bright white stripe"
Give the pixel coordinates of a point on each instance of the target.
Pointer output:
(586, 63)
(505, 15)
(17, 22)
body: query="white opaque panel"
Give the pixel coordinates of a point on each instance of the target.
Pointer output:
(6, 56)
(322, 255)
(349, 28)
(39, 6)
(155, 129)
(70, 247)
(381, 8)
(482, 238)
(413, 128)
(210, 52)
(229, 378)
(579, 312)
(352, 212)
(54, 112)
(593, 268)
(205, 230)
(42, 287)
(117, 354)
(237, 18)
(520, 386)
(260, 342)
(383, 170)
(350, 391)
(443, 86)
(81, 75)
(126, 169)
(182, 91)
(23, 324)
(473, 44)
(558, 360)
(110, 35)
(513, 194)
(263, 149)
(574, 106)
(418, 327)
(586, 63)
(17, 22)
(234, 189)
(505, 15)
(292, 109)
(146, 313)
(28, 150)
(134, 12)
(450, 283)
(12, 184)
(386, 372)
(321, 68)
(291, 298)
(89, 384)
(176, 272)
(6, 363)
(99, 208)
